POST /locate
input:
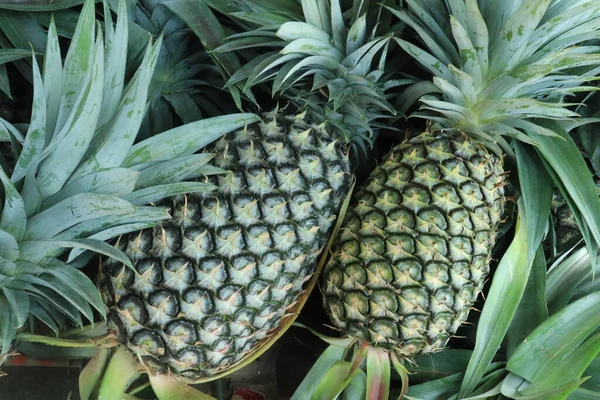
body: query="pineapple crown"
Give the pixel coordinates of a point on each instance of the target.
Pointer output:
(500, 68)
(79, 179)
(329, 61)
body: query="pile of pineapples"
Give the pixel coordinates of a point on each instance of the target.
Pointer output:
(187, 178)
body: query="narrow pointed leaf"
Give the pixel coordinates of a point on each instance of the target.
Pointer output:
(73, 140)
(378, 374)
(91, 374)
(110, 147)
(13, 218)
(113, 181)
(53, 78)
(73, 210)
(167, 387)
(116, 56)
(186, 140)
(503, 299)
(78, 62)
(172, 171)
(121, 372)
(556, 338)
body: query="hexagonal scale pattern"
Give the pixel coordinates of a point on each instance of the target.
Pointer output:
(415, 247)
(213, 283)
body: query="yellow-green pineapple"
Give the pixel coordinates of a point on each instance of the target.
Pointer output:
(414, 251)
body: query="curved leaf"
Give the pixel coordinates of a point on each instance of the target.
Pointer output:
(73, 210)
(167, 387)
(186, 139)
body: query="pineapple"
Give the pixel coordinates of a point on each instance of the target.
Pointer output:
(76, 179)
(414, 251)
(214, 282)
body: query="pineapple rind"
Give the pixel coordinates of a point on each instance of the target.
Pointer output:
(413, 254)
(224, 271)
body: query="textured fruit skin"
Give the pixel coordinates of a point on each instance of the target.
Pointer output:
(216, 280)
(414, 250)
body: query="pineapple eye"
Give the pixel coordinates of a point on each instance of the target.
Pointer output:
(460, 248)
(149, 342)
(445, 297)
(350, 247)
(198, 301)
(358, 330)
(372, 248)
(432, 221)
(374, 219)
(165, 302)
(398, 175)
(178, 273)
(190, 357)
(387, 300)
(142, 242)
(442, 322)
(131, 307)
(381, 273)
(245, 316)
(385, 329)
(438, 271)
(353, 274)
(182, 330)
(150, 271)
(213, 327)
(468, 294)
(357, 302)
(259, 288)
(232, 294)
(406, 273)
(414, 299)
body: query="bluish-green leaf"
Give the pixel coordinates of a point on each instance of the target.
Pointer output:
(565, 159)
(77, 130)
(116, 56)
(507, 47)
(172, 171)
(9, 248)
(186, 139)
(8, 55)
(73, 210)
(78, 63)
(112, 144)
(35, 139)
(19, 305)
(532, 310)
(114, 181)
(556, 338)
(13, 218)
(53, 78)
